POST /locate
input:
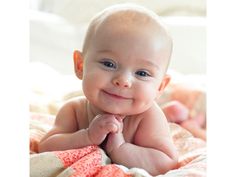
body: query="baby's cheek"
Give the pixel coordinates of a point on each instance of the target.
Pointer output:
(146, 94)
(145, 97)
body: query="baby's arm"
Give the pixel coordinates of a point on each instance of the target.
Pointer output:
(66, 134)
(152, 150)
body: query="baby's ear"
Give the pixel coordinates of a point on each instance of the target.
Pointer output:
(78, 64)
(165, 81)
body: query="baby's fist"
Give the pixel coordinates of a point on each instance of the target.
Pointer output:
(100, 126)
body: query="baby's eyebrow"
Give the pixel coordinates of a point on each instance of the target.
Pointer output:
(104, 51)
(150, 63)
(108, 52)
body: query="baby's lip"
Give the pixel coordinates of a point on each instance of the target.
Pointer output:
(118, 96)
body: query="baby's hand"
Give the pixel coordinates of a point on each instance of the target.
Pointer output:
(101, 126)
(115, 140)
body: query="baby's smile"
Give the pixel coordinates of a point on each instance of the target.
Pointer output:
(116, 96)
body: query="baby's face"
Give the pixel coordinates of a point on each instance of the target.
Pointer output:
(123, 68)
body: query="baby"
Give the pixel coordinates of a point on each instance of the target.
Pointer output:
(123, 67)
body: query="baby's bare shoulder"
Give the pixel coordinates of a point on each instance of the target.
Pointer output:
(67, 120)
(154, 113)
(75, 103)
(153, 124)
(72, 112)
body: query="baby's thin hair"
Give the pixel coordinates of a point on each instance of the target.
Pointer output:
(128, 13)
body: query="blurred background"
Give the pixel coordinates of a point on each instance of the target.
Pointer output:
(57, 28)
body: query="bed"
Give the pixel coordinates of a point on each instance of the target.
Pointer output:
(56, 29)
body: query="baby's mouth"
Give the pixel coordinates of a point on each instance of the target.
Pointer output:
(114, 95)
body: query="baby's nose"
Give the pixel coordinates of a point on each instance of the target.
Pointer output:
(122, 82)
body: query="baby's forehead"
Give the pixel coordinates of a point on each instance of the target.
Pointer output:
(130, 18)
(127, 15)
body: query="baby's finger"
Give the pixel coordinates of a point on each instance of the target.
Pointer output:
(111, 127)
(119, 117)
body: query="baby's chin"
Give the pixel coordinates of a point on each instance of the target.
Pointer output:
(118, 116)
(120, 112)
(113, 111)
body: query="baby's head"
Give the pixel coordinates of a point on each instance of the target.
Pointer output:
(124, 59)
(130, 19)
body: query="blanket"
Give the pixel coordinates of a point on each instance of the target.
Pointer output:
(92, 160)
(88, 161)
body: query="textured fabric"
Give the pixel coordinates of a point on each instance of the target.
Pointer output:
(92, 161)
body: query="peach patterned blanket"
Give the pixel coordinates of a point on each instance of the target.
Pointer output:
(92, 161)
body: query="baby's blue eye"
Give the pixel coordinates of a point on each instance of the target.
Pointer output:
(142, 73)
(108, 64)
